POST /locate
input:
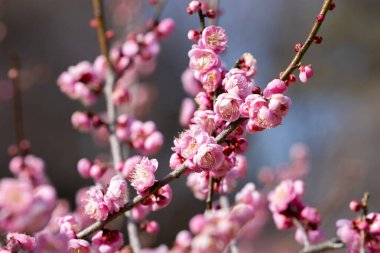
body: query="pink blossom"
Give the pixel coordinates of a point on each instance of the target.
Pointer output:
(84, 167)
(130, 164)
(247, 63)
(279, 104)
(227, 106)
(140, 211)
(191, 85)
(81, 121)
(165, 27)
(121, 95)
(183, 239)
(116, 195)
(346, 232)
(161, 198)
(198, 183)
(282, 222)
(51, 243)
(130, 48)
(286, 193)
(186, 112)
(145, 138)
(175, 161)
(194, 6)
(108, 241)
(204, 120)
(197, 223)
(28, 167)
(274, 87)
(209, 156)
(188, 142)
(211, 79)
(235, 82)
(20, 241)
(123, 127)
(95, 207)
(265, 119)
(81, 82)
(79, 246)
(249, 195)
(15, 195)
(152, 227)
(202, 60)
(311, 215)
(242, 213)
(306, 72)
(214, 38)
(252, 105)
(68, 225)
(142, 175)
(203, 100)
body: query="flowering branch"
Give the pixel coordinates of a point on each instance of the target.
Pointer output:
(309, 40)
(117, 154)
(220, 138)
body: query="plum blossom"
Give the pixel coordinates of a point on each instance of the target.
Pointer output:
(142, 176)
(227, 106)
(108, 241)
(214, 38)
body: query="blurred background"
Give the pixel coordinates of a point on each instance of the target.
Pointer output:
(336, 114)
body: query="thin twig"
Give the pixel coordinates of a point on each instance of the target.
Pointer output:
(363, 234)
(210, 193)
(303, 231)
(160, 6)
(182, 169)
(201, 19)
(309, 40)
(329, 245)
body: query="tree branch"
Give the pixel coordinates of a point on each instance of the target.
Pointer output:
(116, 149)
(220, 139)
(329, 245)
(309, 40)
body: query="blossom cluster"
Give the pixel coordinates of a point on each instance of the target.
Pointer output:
(214, 230)
(350, 231)
(26, 201)
(99, 203)
(285, 203)
(85, 81)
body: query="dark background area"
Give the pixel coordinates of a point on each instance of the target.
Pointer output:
(336, 114)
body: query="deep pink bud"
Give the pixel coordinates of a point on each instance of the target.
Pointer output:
(165, 27)
(81, 121)
(83, 167)
(152, 227)
(194, 6)
(193, 35)
(355, 206)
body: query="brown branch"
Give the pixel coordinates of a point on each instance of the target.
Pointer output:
(210, 193)
(182, 169)
(309, 40)
(201, 19)
(159, 9)
(363, 234)
(329, 245)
